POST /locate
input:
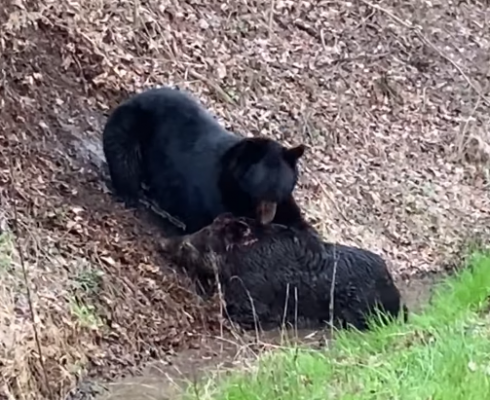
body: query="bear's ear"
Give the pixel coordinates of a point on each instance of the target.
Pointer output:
(223, 218)
(236, 230)
(293, 154)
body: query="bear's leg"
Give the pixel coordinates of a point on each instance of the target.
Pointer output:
(124, 170)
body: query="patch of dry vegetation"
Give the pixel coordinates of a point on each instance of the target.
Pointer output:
(24, 373)
(390, 97)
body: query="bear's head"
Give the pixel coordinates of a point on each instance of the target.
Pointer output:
(257, 175)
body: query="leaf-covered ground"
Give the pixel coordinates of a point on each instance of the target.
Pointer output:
(390, 97)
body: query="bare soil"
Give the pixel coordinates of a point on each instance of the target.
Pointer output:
(389, 97)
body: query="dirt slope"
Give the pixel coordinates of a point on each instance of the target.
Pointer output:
(388, 96)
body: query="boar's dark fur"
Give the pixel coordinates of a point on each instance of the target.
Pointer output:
(192, 167)
(280, 267)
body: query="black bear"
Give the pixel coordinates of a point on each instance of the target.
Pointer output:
(275, 274)
(194, 169)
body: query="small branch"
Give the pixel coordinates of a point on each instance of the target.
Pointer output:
(222, 304)
(332, 289)
(165, 215)
(214, 86)
(26, 278)
(286, 300)
(271, 17)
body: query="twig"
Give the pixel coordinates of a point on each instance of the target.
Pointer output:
(256, 322)
(424, 39)
(296, 311)
(332, 288)
(460, 141)
(154, 208)
(271, 17)
(217, 88)
(284, 315)
(328, 195)
(220, 295)
(25, 277)
(308, 30)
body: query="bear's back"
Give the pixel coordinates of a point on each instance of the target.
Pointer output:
(293, 268)
(182, 157)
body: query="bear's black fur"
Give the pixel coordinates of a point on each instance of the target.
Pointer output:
(193, 168)
(279, 267)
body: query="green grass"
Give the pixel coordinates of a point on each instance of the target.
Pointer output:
(443, 353)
